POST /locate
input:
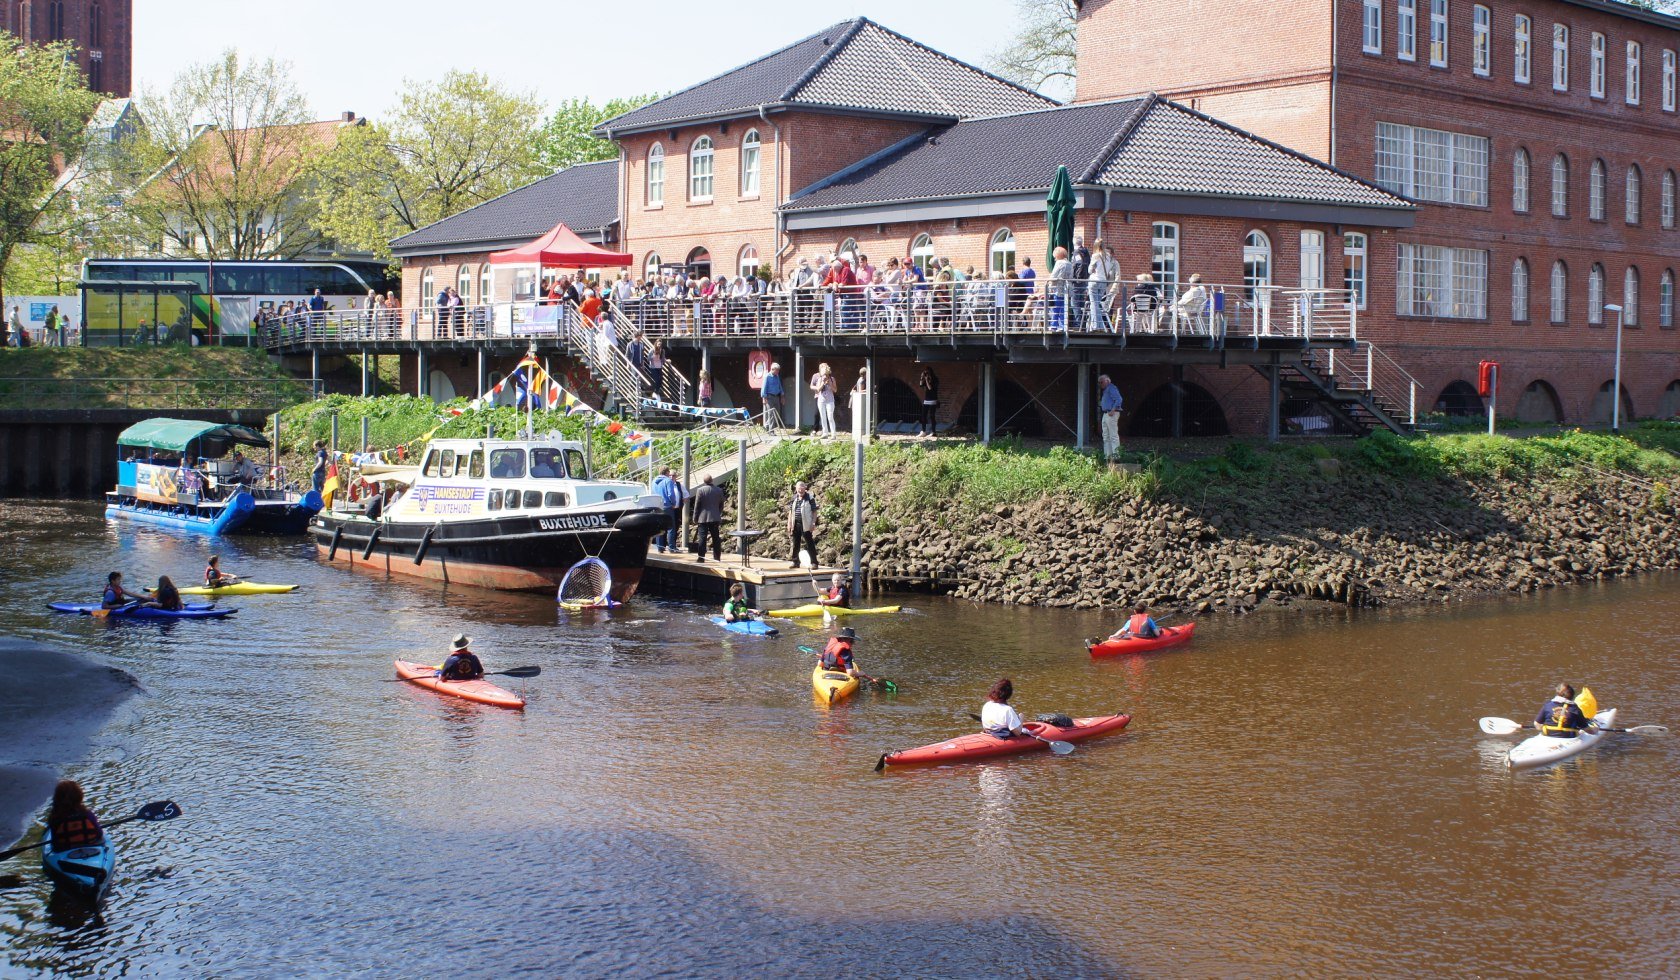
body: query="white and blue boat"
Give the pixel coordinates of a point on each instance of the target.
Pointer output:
(180, 473)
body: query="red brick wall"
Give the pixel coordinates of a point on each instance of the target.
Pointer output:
(115, 43)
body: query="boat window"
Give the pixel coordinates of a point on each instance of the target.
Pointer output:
(446, 468)
(574, 465)
(430, 469)
(495, 501)
(553, 499)
(533, 498)
(512, 499)
(476, 467)
(546, 464)
(507, 464)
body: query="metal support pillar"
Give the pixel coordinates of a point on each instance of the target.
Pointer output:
(333, 445)
(988, 380)
(367, 440)
(420, 373)
(799, 389)
(857, 514)
(481, 366)
(1081, 428)
(874, 402)
(687, 479)
(1274, 401)
(741, 488)
(365, 391)
(315, 371)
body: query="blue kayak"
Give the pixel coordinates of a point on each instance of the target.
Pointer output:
(84, 870)
(191, 610)
(755, 627)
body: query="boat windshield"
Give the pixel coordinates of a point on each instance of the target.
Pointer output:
(547, 464)
(507, 464)
(574, 465)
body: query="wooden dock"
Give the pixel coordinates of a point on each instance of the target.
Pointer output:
(772, 583)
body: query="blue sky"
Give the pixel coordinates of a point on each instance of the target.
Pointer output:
(354, 54)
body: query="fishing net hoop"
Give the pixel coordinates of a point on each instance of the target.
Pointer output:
(586, 584)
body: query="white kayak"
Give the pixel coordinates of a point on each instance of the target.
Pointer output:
(1541, 750)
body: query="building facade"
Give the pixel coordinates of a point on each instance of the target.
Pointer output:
(101, 30)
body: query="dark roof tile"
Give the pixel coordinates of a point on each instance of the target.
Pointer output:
(585, 197)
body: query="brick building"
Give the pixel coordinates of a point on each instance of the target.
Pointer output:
(102, 30)
(1537, 136)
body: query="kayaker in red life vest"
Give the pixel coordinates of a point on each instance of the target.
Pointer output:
(1140, 625)
(839, 594)
(463, 664)
(997, 718)
(837, 655)
(214, 577)
(71, 822)
(1561, 717)
(116, 596)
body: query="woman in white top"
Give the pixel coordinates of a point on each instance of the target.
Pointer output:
(997, 718)
(1060, 285)
(1192, 305)
(823, 387)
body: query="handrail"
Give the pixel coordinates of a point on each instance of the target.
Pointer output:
(1370, 370)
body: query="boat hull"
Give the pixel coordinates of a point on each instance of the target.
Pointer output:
(240, 514)
(1543, 750)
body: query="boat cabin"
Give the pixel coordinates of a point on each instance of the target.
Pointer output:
(478, 477)
(186, 462)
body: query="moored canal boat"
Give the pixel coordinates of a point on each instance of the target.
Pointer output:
(184, 474)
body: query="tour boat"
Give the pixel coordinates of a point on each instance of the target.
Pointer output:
(180, 473)
(510, 514)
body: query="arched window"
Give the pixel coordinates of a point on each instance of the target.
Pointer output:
(1668, 199)
(848, 250)
(921, 252)
(1519, 181)
(1003, 250)
(748, 262)
(1595, 295)
(1635, 180)
(463, 283)
(428, 289)
(1595, 191)
(55, 20)
(96, 27)
(1665, 300)
(1257, 261)
(1163, 253)
(1312, 260)
(1630, 296)
(749, 163)
(1560, 186)
(484, 280)
(656, 175)
(1353, 267)
(1560, 292)
(1519, 291)
(650, 267)
(700, 170)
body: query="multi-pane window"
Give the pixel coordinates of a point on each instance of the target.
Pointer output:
(1481, 42)
(750, 145)
(747, 263)
(1163, 253)
(1668, 199)
(700, 170)
(1441, 282)
(1519, 290)
(1405, 30)
(1560, 292)
(1595, 191)
(1373, 26)
(656, 175)
(1519, 181)
(1630, 297)
(1312, 260)
(650, 268)
(1634, 61)
(1003, 250)
(1432, 165)
(1665, 300)
(1595, 295)
(1635, 182)
(1353, 267)
(1257, 261)
(921, 253)
(1522, 54)
(1560, 58)
(1438, 33)
(1596, 69)
(1668, 80)
(1560, 186)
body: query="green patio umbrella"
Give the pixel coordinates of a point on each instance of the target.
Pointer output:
(1058, 215)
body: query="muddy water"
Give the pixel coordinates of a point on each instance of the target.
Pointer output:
(1303, 793)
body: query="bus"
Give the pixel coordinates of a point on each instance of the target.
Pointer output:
(140, 301)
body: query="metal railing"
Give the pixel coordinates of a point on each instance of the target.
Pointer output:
(1367, 368)
(671, 385)
(155, 393)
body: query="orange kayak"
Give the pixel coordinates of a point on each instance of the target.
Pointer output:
(979, 745)
(1171, 636)
(483, 692)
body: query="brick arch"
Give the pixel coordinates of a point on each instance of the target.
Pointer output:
(1203, 415)
(1459, 398)
(1599, 412)
(1539, 402)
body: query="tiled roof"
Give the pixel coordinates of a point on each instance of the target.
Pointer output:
(584, 197)
(1145, 144)
(856, 64)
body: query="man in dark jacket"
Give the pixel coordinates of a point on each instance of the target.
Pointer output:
(708, 514)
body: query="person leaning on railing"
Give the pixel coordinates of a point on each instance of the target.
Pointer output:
(1104, 274)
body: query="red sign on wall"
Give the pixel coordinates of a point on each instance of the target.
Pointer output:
(758, 365)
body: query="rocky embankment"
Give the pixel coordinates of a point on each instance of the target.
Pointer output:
(1365, 541)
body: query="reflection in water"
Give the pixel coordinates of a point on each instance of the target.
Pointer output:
(1298, 794)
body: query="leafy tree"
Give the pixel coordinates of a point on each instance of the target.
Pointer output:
(444, 148)
(567, 137)
(1045, 52)
(1660, 6)
(44, 109)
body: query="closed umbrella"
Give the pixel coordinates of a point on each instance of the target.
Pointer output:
(1058, 215)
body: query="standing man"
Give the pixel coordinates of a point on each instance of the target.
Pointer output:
(318, 475)
(1109, 403)
(671, 492)
(317, 308)
(772, 393)
(14, 328)
(708, 514)
(1078, 314)
(1105, 272)
(802, 522)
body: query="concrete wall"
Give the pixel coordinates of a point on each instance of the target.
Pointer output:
(72, 453)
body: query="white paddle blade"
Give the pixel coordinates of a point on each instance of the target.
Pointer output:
(1648, 730)
(1499, 726)
(1062, 748)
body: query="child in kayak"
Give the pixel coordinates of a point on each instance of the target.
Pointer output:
(1141, 625)
(463, 664)
(736, 610)
(837, 655)
(166, 595)
(1561, 717)
(71, 822)
(838, 594)
(116, 596)
(997, 718)
(214, 577)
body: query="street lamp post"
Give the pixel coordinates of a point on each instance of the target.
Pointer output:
(1616, 376)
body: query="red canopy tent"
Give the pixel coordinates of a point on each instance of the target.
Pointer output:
(561, 249)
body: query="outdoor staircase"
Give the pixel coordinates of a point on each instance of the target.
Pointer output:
(625, 383)
(1361, 388)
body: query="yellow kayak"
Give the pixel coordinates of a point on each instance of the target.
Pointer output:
(831, 685)
(814, 609)
(243, 588)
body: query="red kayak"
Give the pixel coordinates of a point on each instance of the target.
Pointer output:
(968, 748)
(1171, 636)
(483, 692)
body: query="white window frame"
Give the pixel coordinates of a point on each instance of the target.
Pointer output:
(1355, 267)
(486, 281)
(1560, 186)
(1001, 254)
(428, 288)
(1164, 239)
(752, 147)
(1312, 259)
(921, 251)
(1633, 194)
(1438, 33)
(1522, 54)
(650, 265)
(1635, 67)
(1405, 30)
(1559, 311)
(464, 282)
(1667, 204)
(1560, 57)
(1441, 283)
(1668, 80)
(1665, 300)
(1596, 66)
(1521, 169)
(702, 160)
(747, 254)
(1432, 164)
(656, 176)
(1630, 297)
(848, 250)
(1519, 291)
(1372, 36)
(1481, 42)
(1596, 190)
(1595, 295)
(1257, 261)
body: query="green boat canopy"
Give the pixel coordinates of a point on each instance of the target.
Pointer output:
(175, 435)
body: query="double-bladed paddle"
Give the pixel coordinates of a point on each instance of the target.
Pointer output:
(1059, 748)
(887, 686)
(151, 812)
(510, 672)
(1505, 726)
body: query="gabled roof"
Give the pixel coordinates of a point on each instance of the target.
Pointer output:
(584, 197)
(1146, 144)
(855, 66)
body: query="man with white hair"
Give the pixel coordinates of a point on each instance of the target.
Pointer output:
(772, 393)
(1109, 404)
(802, 522)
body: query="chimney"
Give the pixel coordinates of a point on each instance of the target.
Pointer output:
(347, 117)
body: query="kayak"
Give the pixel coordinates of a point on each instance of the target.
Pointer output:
(755, 627)
(1171, 636)
(483, 692)
(592, 604)
(190, 610)
(831, 685)
(243, 588)
(1541, 750)
(84, 870)
(817, 609)
(979, 745)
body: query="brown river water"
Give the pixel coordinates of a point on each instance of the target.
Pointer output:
(1301, 793)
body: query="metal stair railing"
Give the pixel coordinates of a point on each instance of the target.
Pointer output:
(1367, 369)
(673, 385)
(604, 359)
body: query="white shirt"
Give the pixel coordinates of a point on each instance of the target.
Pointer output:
(999, 717)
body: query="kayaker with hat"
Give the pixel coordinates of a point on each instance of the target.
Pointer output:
(837, 655)
(462, 664)
(1140, 625)
(838, 594)
(997, 718)
(1561, 717)
(214, 577)
(736, 610)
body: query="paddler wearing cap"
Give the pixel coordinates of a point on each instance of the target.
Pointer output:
(837, 655)
(462, 664)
